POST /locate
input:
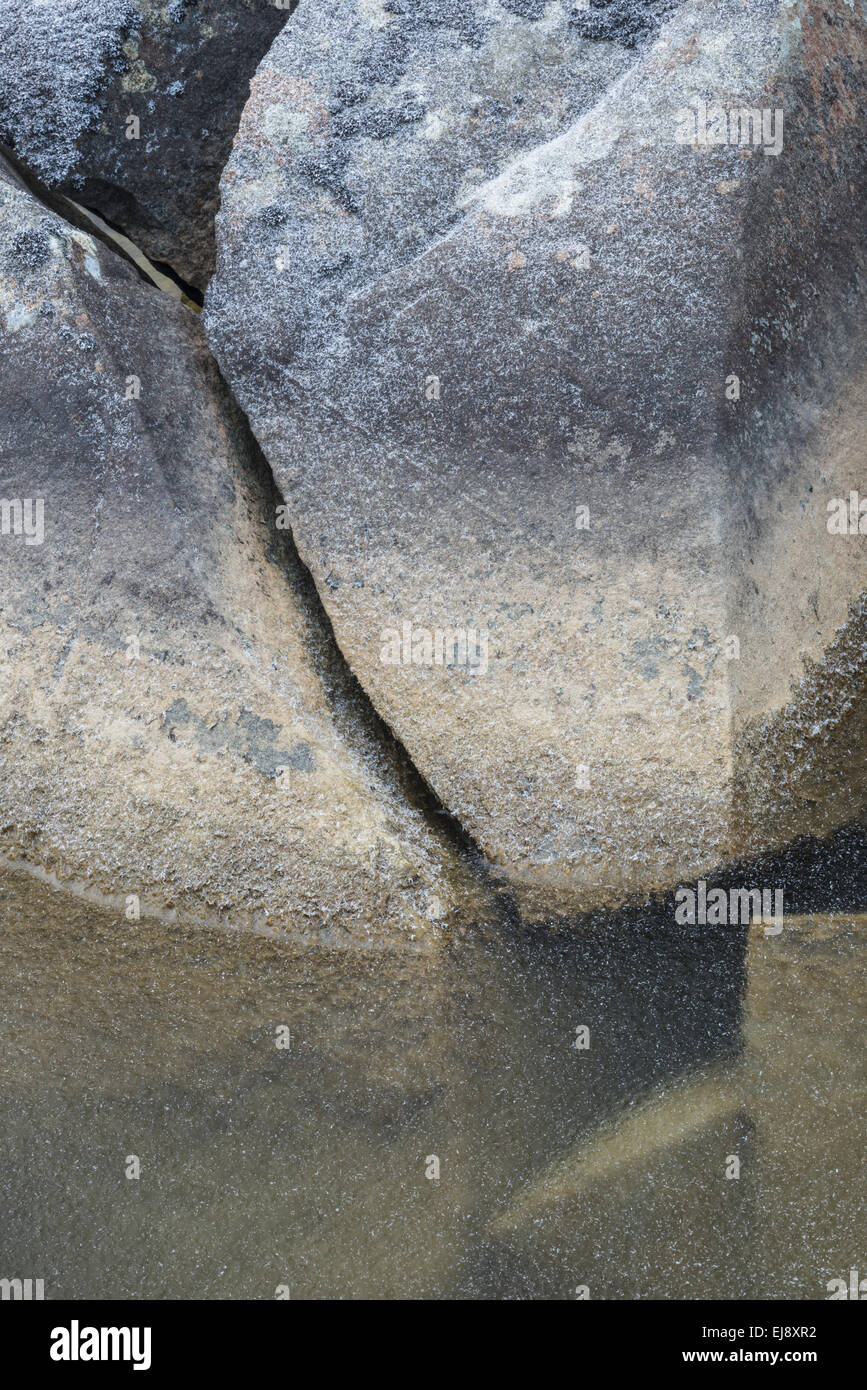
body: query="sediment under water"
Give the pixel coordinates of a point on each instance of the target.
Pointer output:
(304, 1166)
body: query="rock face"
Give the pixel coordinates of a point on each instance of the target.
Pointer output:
(171, 730)
(556, 343)
(76, 77)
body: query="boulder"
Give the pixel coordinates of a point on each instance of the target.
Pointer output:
(550, 325)
(179, 739)
(129, 107)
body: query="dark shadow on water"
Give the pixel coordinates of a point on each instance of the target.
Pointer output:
(659, 1001)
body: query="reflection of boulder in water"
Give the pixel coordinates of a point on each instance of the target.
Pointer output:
(319, 1152)
(658, 1000)
(790, 1110)
(672, 1114)
(308, 1166)
(371, 1026)
(259, 1164)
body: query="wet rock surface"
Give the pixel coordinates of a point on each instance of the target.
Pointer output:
(530, 361)
(178, 737)
(130, 106)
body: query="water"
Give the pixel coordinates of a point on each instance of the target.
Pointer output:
(560, 1168)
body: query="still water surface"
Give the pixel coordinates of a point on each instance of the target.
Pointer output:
(560, 1168)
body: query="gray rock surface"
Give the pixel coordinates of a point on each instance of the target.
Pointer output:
(484, 307)
(172, 726)
(71, 76)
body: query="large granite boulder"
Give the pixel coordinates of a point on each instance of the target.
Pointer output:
(549, 321)
(177, 740)
(129, 107)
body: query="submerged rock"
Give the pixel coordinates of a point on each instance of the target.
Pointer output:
(553, 342)
(175, 737)
(786, 1109)
(129, 107)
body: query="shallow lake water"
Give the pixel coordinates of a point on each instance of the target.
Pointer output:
(309, 1166)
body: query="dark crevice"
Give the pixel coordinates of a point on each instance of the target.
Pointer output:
(62, 207)
(100, 222)
(87, 220)
(354, 715)
(190, 291)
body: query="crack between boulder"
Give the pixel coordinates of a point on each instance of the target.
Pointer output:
(85, 219)
(355, 716)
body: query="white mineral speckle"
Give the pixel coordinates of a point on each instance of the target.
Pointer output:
(20, 316)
